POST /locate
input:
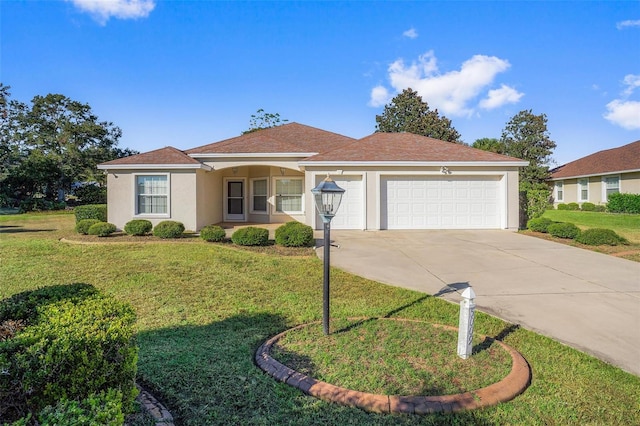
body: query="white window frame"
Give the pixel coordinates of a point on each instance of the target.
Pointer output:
(581, 183)
(136, 212)
(605, 198)
(275, 195)
(266, 196)
(559, 185)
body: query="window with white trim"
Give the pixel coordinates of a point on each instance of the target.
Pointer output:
(289, 194)
(152, 194)
(259, 195)
(583, 189)
(559, 191)
(611, 186)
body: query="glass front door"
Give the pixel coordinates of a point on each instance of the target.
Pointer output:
(235, 200)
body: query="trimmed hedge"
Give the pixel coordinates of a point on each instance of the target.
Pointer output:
(138, 227)
(601, 208)
(573, 206)
(600, 236)
(83, 226)
(251, 236)
(91, 211)
(213, 233)
(539, 224)
(294, 234)
(588, 207)
(168, 229)
(562, 206)
(74, 344)
(102, 229)
(624, 203)
(564, 230)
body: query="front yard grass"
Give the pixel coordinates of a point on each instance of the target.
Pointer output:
(203, 309)
(625, 225)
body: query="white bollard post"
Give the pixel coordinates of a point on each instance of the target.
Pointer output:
(465, 326)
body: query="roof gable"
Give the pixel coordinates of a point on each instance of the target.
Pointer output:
(613, 160)
(404, 146)
(168, 156)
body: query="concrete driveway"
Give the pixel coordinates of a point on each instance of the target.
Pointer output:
(587, 300)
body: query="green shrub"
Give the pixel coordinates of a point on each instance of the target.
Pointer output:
(294, 234)
(83, 226)
(102, 229)
(600, 236)
(563, 230)
(588, 207)
(91, 211)
(251, 236)
(168, 229)
(624, 203)
(75, 343)
(601, 208)
(104, 408)
(213, 233)
(563, 206)
(573, 206)
(138, 227)
(539, 224)
(91, 194)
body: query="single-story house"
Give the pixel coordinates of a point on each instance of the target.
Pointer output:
(594, 177)
(392, 181)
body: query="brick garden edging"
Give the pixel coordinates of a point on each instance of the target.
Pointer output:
(505, 390)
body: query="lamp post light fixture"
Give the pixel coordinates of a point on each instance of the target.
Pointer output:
(327, 196)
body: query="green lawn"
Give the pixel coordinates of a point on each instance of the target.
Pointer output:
(626, 225)
(203, 309)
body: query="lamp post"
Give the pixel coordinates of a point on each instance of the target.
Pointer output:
(327, 196)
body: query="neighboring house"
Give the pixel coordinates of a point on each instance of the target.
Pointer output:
(594, 177)
(392, 181)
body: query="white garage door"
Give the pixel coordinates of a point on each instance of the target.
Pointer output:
(351, 211)
(417, 202)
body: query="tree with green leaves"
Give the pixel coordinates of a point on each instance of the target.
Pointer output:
(264, 120)
(489, 144)
(525, 136)
(407, 112)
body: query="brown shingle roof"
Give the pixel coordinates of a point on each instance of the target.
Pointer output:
(408, 147)
(626, 157)
(289, 138)
(164, 156)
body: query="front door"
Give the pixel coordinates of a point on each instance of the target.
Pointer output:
(235, 210)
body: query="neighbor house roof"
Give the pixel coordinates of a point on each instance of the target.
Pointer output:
(623, 159)
(288, 138)
(168, 157)
(408, 147)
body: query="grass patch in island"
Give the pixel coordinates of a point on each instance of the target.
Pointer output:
(391, 357)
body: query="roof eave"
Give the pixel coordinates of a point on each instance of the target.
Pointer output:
(417, 163)
(595, 174)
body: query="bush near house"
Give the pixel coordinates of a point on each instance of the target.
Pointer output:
(101, 229)
(600, 236)
(66, 343)
(138, 227)
(588, 207)
(294, 234)
(564, 230)
(600, 208)
(251, 236)
(562, 206)
(573, 206)
(83, 226)
(624, 203)
(539, 224)
(91, 211)
(168, 229)
(213, 234)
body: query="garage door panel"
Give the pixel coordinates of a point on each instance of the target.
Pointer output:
(418, 202)
(351, 211)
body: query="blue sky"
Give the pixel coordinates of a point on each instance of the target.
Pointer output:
(187, 73)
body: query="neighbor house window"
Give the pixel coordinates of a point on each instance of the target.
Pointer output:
(289, 195)
(152, 194)
(611, 186)
(559, 191)
(259, 195)
(583, 190)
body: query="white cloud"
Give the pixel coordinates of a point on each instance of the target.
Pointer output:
(632, 82)
(625, 114)
(628, 23)
(502, 96)
(452, 92)
(410, 33)
(102, 10)
(379, 96)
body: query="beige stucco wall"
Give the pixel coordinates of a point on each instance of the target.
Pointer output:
(629, 184)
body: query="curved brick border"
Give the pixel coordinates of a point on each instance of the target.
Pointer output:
(505, 390)
(159, 412)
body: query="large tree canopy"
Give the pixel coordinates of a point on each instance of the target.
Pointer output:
(526, 136)
(264, 120)
(489, 144)
(49, 146)
(407, 112)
